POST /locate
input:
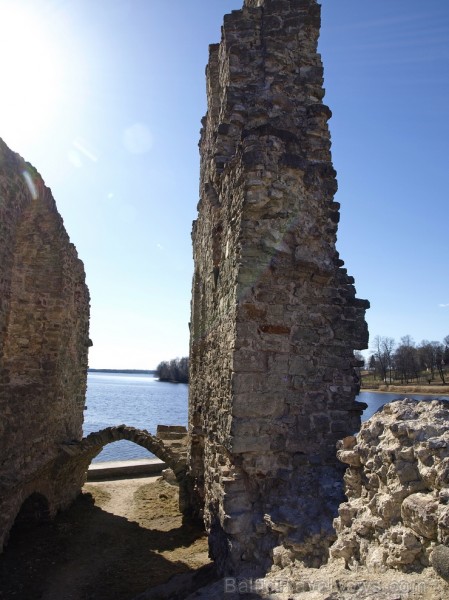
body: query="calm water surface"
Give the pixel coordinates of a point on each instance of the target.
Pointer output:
(137, 400)
(376, 399)
(144, 402)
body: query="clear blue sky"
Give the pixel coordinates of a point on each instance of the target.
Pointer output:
(105, 98)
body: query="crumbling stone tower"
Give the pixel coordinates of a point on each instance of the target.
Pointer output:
(44, 339)
(275, 319)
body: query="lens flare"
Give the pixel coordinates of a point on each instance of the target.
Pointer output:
(30, 184)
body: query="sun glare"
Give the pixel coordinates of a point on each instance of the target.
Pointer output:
(30, 70)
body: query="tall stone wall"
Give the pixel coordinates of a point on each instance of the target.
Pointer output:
(44, 319)
(274, 319)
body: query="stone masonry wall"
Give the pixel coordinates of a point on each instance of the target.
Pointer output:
(44, 318)
(275, 319)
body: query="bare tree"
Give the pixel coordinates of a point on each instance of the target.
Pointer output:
(388, 345)
(427, 358)
(441, 359)
(383, 353)
(406, 360)
(377, 353)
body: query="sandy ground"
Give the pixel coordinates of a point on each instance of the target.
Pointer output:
(117, 540)
(123, 537)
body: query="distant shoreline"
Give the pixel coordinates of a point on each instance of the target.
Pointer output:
(420, 390)
(128, 371)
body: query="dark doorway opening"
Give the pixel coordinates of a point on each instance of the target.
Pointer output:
(33, 512)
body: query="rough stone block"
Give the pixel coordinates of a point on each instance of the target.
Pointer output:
(440, 561)
(241, 445)
(249, 405)
(419, 512)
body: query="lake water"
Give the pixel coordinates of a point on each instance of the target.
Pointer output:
(140, 401)
(376, 399)
(144, 402)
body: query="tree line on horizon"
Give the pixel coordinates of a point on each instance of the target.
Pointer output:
(406, 361)
(175, 370)
(390, 361)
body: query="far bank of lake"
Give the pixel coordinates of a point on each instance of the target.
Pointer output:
(141, 400)
(424, 390)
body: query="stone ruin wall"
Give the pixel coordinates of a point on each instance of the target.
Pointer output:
(44, 318)
(275, 319)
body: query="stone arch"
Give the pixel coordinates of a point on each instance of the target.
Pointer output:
(169, 445)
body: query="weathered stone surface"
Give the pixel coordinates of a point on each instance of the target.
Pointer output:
(419, 512)
(397, 487)
(275, 319)
(44, 316)
(440, 561)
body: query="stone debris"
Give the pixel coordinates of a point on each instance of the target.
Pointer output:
(169, 476)
(392, 539)
(330, 582)
(397, 487)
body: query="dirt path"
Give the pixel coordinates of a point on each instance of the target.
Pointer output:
(118, 539)
(117, 497)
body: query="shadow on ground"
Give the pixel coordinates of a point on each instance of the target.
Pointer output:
(87, 553)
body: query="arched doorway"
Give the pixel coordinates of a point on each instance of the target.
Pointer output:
(34, 511)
